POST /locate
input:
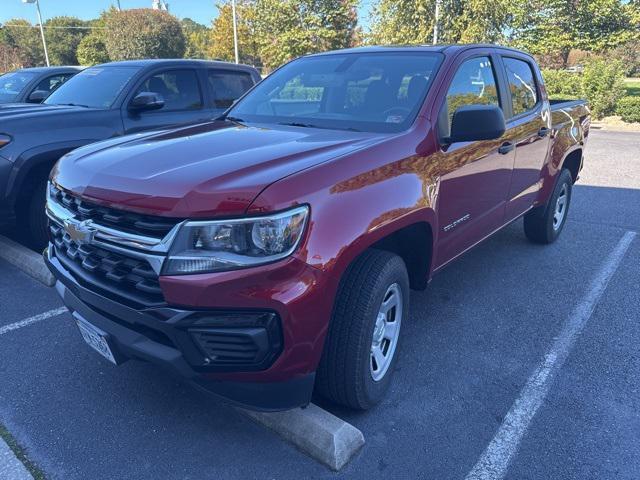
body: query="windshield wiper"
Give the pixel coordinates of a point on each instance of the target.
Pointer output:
(298, 124)
(72, 105)
(311, 125)
(231, 119)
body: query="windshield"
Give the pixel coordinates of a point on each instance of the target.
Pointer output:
(96, 87)
(375, 92)
(12, 84)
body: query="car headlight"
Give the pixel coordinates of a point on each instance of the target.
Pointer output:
(213, 246)
(4, 139)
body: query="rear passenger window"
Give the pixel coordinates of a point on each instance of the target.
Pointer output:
(524, 93)
(179, 89)
(473, 84)
(227, 86)
(50, 84)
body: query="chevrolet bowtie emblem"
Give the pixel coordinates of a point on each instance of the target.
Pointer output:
(80, 232)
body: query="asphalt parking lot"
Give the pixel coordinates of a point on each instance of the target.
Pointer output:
(475, 338)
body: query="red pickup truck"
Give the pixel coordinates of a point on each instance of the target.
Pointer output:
(271, 252)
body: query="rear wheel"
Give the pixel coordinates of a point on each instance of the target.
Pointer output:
(545, 223)
(362, 343)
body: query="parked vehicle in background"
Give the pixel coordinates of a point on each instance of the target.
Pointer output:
(100, 103)
(273, 250)
(33, 85)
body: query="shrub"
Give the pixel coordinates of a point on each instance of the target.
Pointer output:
(603, 85)
(562, 84)
(92, 50)
(143, 33)
(629, 109)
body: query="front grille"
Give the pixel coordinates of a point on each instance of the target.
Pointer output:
(130, 222)
(131, 279)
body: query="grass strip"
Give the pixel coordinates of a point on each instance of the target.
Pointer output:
(20, 454)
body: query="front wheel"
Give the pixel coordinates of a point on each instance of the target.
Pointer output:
(362, 343)
(545, 223)
(32, 219)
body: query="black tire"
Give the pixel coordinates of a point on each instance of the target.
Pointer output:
(539, 224)
(345, 374)
(32, 219)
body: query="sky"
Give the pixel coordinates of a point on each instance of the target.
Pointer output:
(202, 11)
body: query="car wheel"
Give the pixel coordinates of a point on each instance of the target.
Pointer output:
(545, 223)
(361, 347)
(32, 220)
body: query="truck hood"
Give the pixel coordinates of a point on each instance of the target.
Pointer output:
(208, 170)
(13, 111)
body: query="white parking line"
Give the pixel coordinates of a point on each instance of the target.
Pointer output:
(495, 460)
(30, 320)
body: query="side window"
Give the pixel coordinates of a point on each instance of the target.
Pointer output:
(227, 86)
(179, 89)
(473, 84)
(522, 85)
(50, 84)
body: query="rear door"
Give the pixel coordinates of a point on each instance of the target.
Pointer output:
(529, 127)
(183, 100)
(226, 86)
(475, 175)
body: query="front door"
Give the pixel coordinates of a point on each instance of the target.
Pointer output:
(475, 176)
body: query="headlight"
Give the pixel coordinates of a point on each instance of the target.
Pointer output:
(214, 246)
(4, 139)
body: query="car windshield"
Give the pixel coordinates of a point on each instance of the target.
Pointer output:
(96, 87)
(12, 84)
(374, 92)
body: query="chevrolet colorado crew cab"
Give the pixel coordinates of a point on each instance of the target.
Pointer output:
(100, 103)
(271, 252)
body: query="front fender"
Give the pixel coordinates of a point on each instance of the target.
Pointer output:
(35, 158)
(352, 208)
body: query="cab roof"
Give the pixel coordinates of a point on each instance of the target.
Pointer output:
(439, 48)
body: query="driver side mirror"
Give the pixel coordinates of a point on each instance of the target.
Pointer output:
(38, 96)
(146, 101)
(472, 123)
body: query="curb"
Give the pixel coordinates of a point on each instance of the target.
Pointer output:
(26, 260)
(10, 466)
(321, 435)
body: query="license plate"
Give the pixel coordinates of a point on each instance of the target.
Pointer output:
(96, 339)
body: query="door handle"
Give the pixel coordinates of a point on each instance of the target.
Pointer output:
(506, 147)
(543, 132)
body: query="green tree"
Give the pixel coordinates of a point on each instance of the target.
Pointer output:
(24, 38)
(558, 26)
(220, 36)
(92, 50)
(143, 33)
(10, 58)
(197, 36)
(461, 21)
(286, 29)
(63, 35)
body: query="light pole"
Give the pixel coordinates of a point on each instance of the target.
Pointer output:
(118, 5)
(235, 30)
(44, 41)
(435, 26)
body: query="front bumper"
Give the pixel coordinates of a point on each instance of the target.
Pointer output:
(164, 336)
